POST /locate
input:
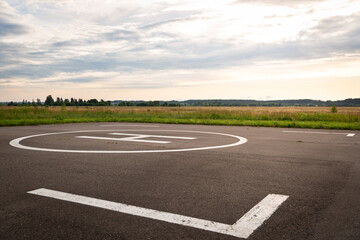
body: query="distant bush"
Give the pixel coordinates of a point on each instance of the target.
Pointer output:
(334, 109)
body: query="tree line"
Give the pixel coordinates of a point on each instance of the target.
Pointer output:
(50, 101)
(147, 103)
(350, 102)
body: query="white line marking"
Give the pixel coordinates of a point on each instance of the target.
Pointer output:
(16, 143)
(128, 139)
(153, 136)
(127, 125)
(243, 228)
(259, 214)
(347, 134)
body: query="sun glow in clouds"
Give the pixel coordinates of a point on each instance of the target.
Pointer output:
(179, 49)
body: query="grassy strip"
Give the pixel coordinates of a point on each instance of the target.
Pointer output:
(284, 124)
(215, 116)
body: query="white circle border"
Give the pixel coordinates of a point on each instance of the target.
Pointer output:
(16, 142)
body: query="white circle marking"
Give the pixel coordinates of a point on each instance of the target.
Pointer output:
(16, 143)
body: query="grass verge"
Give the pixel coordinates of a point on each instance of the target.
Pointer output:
(252, 116)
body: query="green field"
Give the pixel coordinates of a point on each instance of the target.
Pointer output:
(301, 117)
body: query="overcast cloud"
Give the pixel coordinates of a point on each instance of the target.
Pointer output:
(63, 46)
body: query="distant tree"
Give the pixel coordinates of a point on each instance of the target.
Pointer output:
(174, 105)
(92, 101)
(57, 102)
(49, 101)
(126, 103)
(142, 104)
(38, 102)
(102, 103)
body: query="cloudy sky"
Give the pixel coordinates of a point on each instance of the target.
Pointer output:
(176, 49)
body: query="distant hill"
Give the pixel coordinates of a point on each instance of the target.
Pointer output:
(351, 102)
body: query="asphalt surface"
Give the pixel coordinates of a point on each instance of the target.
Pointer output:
(318, 170)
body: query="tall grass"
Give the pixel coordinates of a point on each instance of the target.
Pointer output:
(345, 118)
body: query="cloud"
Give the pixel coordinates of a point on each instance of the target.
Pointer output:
(140, 46)
(9, 22)
(157, 24)
(174, 54)
(278, 2)
(335, 34)
(167, 17)
(335, 25)
(7, 28)
(121, 34)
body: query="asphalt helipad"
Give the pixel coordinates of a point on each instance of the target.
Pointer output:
(157, 181)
